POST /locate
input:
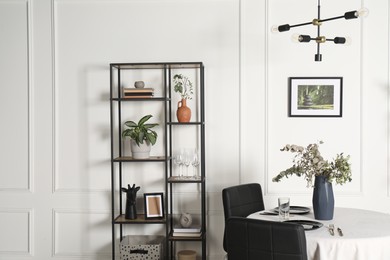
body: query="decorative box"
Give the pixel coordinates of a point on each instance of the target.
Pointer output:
(141, 247)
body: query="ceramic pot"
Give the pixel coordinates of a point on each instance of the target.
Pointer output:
(183, 112)
(185, 220)
(139, 84)
(142, 151)
(323, 199)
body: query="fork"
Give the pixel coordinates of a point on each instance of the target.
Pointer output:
(331, 229)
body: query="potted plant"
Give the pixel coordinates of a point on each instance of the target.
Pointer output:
(142, 137)
(309, 163)
(184, 87)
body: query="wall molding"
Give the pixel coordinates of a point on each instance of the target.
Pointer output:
(55, 170)
(55, 214)
(30, 232)
(388, 102)
(29, 111)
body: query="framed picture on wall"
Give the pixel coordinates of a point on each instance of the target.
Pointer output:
(315, 97)
(154, 205)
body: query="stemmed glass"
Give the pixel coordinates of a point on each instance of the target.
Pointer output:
(195, 163)
(187, 160)
(178, 160)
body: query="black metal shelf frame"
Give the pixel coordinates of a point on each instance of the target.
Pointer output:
(118, 159)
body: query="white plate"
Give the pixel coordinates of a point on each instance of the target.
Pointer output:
(307, 224)
(298, 210)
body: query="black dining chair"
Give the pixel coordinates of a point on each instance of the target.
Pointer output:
(241, 201)
(254, 239)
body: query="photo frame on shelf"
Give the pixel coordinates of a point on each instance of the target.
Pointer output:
(154, 205)
(315, 97)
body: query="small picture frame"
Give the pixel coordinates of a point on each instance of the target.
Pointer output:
(315, 96)
(154, 205)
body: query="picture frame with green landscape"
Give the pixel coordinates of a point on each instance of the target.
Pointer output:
(315, 97)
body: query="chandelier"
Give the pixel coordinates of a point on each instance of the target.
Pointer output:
(363, 12)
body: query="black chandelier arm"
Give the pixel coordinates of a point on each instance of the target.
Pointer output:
(332, 18)
(347, 16)
(287, 27)
(301, 24)
(321, 39)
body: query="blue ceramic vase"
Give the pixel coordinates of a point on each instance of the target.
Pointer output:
(323, 199)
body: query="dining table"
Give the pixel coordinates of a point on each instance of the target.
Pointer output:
(358, 234)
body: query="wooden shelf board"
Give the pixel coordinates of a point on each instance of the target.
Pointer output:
(139, 220)
(175, 179)
(177, 238)
(130, 159)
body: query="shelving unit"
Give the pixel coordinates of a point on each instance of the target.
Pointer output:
(120, 75)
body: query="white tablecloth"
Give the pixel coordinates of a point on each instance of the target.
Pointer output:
(366, 235)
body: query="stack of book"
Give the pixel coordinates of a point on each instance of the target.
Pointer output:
(138, 92)
(186, 232)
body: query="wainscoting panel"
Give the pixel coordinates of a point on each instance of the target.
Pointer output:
(16, 232)
(14, 96)
(81, 233)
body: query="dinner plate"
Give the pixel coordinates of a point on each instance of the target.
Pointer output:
(298, 210)
(307, 224)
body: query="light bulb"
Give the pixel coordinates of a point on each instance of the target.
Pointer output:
(363, 12)
(348, 41)
(295, 37)
(274, 28)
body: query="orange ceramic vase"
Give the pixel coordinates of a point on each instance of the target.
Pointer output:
(183, 112)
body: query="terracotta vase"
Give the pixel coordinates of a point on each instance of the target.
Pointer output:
(183, 112)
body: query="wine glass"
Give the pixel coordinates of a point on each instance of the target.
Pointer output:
(178, 160)
(187, 161)
(195, 163)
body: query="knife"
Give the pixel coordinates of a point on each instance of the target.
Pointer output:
(340, 232)
(269, 213)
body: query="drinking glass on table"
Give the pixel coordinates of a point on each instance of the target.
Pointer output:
(284, 208)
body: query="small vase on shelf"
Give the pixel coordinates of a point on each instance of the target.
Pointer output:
(183, 112)
(185, 220)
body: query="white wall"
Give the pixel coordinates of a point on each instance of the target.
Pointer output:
(55, 170)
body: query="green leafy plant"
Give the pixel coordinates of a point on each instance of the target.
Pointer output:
(183, 86)
(140, 131)
(309, 163)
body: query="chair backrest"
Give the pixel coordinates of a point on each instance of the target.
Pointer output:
(254, 239)
(241, 201)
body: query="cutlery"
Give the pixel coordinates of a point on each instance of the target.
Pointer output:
(340, 232)
(269, 213)
(331, 229)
